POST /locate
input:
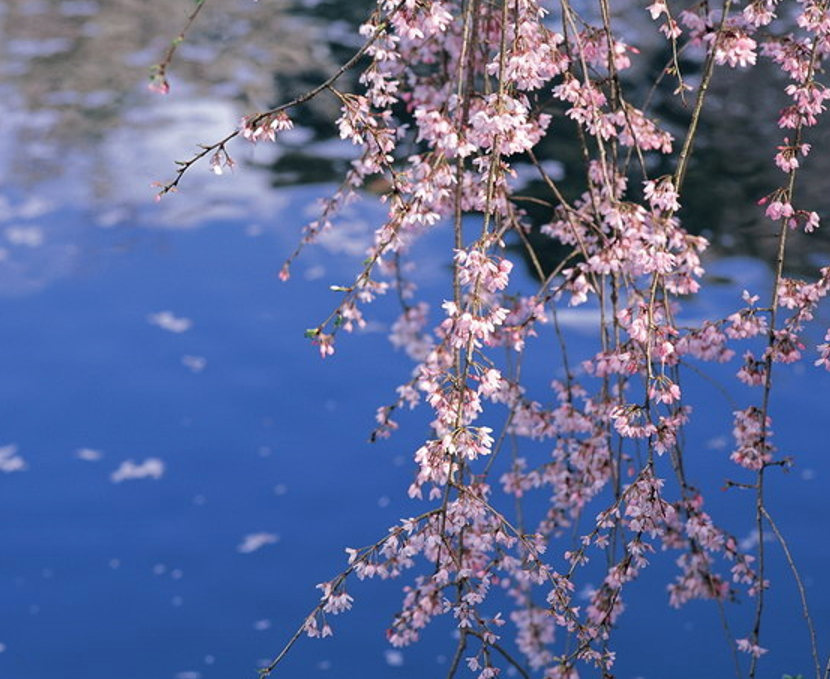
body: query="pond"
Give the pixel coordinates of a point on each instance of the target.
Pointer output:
(181, 468)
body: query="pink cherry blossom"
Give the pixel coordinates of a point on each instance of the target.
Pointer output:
(454, 106)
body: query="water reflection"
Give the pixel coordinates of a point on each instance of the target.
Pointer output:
(82, 133)
(74, 79)
(80, 125)
(170, 360)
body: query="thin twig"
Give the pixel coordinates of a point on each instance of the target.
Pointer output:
(158, 73)
(459, 652)
(339, 580)
(801, 591)
(185, 165)
(503, 652)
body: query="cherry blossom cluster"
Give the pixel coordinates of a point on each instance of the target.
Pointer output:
(455, 99)
(265, 126)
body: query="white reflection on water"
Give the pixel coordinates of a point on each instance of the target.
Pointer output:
(83, 139)
(10, 461)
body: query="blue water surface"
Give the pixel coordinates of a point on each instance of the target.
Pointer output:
(268, 474)
(144, 579)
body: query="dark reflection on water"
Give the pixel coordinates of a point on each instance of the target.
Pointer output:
(731, 169)
(73, 72)
(204, 571)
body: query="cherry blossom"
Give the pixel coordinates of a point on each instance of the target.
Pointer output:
(264, 126)
(453, 100)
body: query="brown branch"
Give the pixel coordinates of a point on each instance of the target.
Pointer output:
(501, 651)
(708, 70)
(801, 591)
(459, 652)
(158, 73)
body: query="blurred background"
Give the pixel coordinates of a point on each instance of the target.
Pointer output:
(179, 469)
